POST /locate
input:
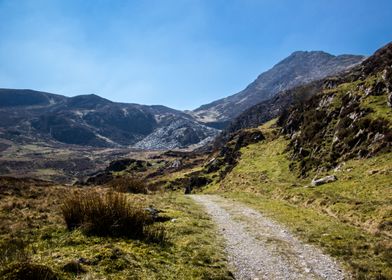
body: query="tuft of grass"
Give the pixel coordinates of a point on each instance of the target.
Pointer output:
(126, 184)
(107, 214)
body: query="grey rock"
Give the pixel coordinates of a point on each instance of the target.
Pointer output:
(176, 164)
(324, 180)
(177, 133)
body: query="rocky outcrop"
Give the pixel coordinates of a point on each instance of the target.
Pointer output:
(226, 157)
(348, 118)
(177, 133)
(268, 110)
(96, 179)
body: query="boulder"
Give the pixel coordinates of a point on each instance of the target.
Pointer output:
(176, 164)
(324, 180)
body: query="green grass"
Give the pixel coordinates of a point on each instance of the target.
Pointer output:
(378, 105)
(366, 256)
(192, 250)
(350, 218)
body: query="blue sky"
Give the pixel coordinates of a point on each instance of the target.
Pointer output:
(178, 53)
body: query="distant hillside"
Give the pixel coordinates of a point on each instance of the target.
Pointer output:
(94, 121)
(297, 69)
(89, 120)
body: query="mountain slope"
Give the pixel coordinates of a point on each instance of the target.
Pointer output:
(268, 110)
(342, 133)
(350, 117)
(297, 69)
(92, 120)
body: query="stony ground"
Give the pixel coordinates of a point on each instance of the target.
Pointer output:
(259, 248)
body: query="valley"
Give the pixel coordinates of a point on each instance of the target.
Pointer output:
(302, 176)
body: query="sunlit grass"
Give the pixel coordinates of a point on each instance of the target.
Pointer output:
(192, 249)
(350, 218)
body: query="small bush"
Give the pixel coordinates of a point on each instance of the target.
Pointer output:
(108, 214)
(128, 185)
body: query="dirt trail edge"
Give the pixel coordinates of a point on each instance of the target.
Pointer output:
(259, 248)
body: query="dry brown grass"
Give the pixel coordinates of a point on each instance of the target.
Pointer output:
(27, 204)
(37, 223)
(128, 184)
(109, 214)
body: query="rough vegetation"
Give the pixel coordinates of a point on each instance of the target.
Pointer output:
(106, 214)
(337, 131)
(29, 271)
(342, 135)
(127, 184)
(345, 120)
(34, 235)
(349, 218)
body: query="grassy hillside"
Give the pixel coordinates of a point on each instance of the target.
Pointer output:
(349, 218)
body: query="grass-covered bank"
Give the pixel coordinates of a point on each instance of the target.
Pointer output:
(367, 256)
(349, 218)
(191, 249)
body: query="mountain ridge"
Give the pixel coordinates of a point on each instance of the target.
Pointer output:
(95, 121)
(300, 67)
(92, 120)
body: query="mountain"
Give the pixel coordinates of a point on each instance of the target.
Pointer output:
(299, 68)
(267, 110)
(90, 120)
(322, 166)
(324, 123)
(94, 121)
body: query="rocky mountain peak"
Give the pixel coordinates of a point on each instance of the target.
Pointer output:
(299, 68)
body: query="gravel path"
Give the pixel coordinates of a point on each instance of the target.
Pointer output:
(259, 248)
